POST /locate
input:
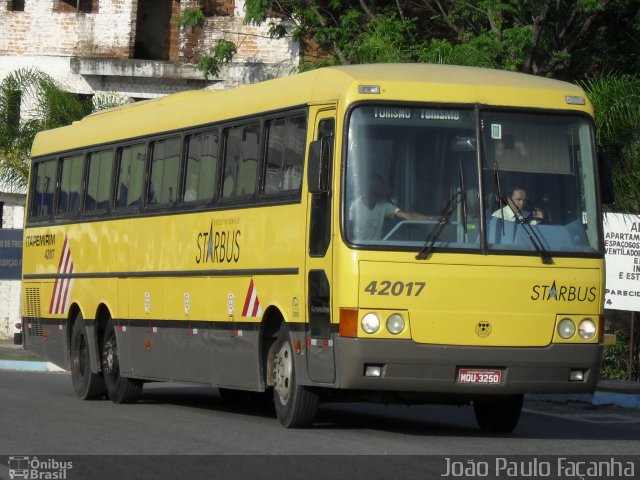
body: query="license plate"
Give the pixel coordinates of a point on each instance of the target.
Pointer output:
(479, 376)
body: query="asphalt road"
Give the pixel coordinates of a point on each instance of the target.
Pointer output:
(40, 415)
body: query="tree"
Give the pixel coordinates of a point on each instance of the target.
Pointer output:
(49, 107)
(561, 39)
(616, 101)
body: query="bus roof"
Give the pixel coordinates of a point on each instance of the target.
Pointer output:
(406, 82)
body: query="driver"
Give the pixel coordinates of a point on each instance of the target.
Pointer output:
(514, 210)
(368, 212)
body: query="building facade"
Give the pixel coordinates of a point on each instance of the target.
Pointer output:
(134, 49)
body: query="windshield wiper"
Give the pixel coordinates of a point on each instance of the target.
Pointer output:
(533, 237)
(456, 199)
(445, 216)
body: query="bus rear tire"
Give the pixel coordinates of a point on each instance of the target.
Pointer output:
(119, 389)
(498, 415)
(87, 385)
(296, 405)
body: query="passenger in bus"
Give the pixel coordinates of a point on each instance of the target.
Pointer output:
(190, 193)
(369, 211)
(514, 210)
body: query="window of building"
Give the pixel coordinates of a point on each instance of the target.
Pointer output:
(285, 154)
(98, 181)
(202, 167)
(130, 174)
(165, 166)
(15, 5)
(240, 160)
(44, 178)
(217, 7)
(70, 185)
(75, 6)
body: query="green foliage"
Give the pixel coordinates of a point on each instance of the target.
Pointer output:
(221, 53)
(50, 107)
(616, 101)
(192, 17)
(558, 39)
(615, 359)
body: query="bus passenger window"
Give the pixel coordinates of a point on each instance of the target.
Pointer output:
(202, 167)
(98, 181)
(240, 161)
(70, 185)
(285, 154)
(45, 180)
(165, 163)
(130, 173)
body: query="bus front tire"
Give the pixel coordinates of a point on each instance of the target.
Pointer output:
(296, 405)
(499, 415)
(119, 389)
(87, 385)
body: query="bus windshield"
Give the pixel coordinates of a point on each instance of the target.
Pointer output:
(412, 179)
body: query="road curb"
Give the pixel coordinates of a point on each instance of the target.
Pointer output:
(624, 400)
(29, 366)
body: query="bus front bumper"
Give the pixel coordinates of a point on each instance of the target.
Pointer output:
(406, 366)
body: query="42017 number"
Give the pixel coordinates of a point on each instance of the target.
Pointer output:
(386, 287)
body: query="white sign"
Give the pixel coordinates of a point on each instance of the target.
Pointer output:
(622, 257)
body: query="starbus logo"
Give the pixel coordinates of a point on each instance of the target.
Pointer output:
(564, 293)
(38, 469)
(220, 243)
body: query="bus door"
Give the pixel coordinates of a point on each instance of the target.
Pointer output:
(320, 351)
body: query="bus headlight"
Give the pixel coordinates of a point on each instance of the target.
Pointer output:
(587, 329)
(395, 323)
(566, 328)
(370, 323)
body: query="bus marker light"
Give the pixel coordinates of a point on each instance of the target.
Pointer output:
(373, 370)
(348, 322)
(369, 89)
(575, 100)
(296, 346)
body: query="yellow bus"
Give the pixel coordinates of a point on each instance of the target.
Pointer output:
(395, 233)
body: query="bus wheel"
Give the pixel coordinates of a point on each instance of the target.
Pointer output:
(87, 385)
(119, 389)
(499, 415)
(296, 405)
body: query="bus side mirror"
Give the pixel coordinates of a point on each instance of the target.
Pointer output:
(606, 179)
(320, 154)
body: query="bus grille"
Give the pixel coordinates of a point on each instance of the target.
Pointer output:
(35, 327)
(33, 302)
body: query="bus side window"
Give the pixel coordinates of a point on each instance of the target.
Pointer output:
(202, 167)
(286, 140)
(240, 161)
(98, 181)
(130, 173)
(165, 162)
(70, 185)
(44, 182)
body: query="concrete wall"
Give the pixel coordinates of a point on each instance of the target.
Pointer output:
(13, 215)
